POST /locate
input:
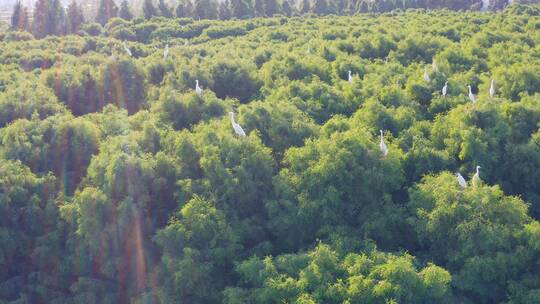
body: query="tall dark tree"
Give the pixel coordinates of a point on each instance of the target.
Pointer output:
(164, 9)
(180, 11)
(107, 9)
(125, 11)
(75, 18)
(240, 9)
(339, 6)
(320, 7)
(258, 7)
(149, 10)
(49, 18)
(271, 7)
(188, 7)
(19, 19)
(224, 10)
(205, 9)
(350, 7)
(305, 7)
(286, 8)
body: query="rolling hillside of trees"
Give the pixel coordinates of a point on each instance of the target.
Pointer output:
(375, 158)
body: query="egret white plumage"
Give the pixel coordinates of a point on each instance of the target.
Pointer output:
(166, 52)
(471, 95)
(198, 89)
(237, 128)
(127, 50)
(476, 177)
(382, 145)
(350, 77)
(461, 180)
(434, 66)
(492, 89)
(445, 89)
(426, 75)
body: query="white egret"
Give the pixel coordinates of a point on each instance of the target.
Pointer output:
(128, 51)
(198, 89)
(382, 145)
(471, 95)
(350, 77)
(445, 89)
(461, 181)
(166, 52)
(237, 128)
(476, 176)
(492, 89)
(426, 75)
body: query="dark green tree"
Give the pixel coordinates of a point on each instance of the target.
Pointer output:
(123, 85)
(258, 8)
(164, 9)
(208, 246)
(125, 11)
(305, 7)
(75, 18)
(181, 11)
(320, 7)
(149, 10)
(107, 9)
(205, 9)
(287, 8)
(224, 10)
(19, 18)
(49, 18)
(271, 7)
(241, 9)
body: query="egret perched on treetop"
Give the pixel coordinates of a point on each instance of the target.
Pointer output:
(426, 75)
(350, 77)
(237, 128)
(445, 89)
(461, 181)
(471, 95)
(476, 176)
(492, 89)
(198, 89)
(382, 145)
(128, 51)
(166, 52)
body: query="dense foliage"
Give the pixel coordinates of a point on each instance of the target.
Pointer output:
(50, 18)
(119, 183)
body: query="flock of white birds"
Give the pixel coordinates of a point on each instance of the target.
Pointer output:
(382, 145)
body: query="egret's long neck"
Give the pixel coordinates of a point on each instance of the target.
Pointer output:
(477, 170)
(232, 118)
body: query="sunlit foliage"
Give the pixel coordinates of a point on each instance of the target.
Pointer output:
(120, 182)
